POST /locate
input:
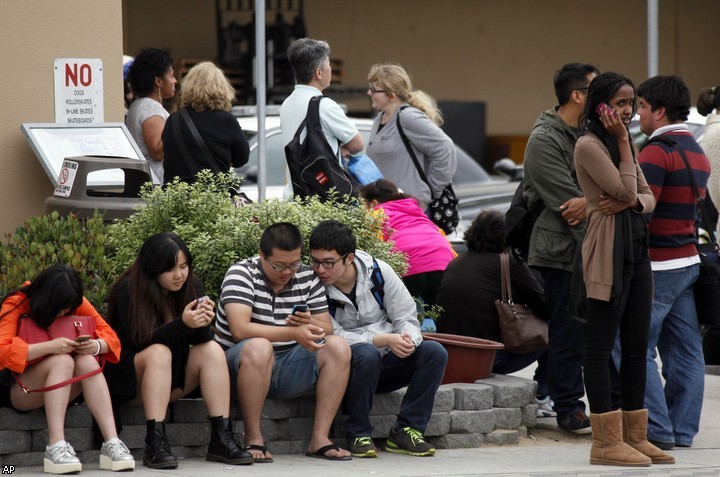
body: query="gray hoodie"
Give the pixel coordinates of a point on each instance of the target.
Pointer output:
(362, 324)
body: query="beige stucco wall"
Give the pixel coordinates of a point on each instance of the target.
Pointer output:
(32, 34)
(500, 52)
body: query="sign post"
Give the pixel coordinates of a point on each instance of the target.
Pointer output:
(78, 91)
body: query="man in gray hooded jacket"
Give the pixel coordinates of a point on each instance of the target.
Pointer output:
(557, 236)
(375, 313)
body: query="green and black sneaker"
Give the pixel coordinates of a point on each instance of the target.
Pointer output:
(362, 447)
(409, 441)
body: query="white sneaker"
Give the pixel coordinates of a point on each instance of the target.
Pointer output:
(114, 455)
(60, 458)
(545, 407)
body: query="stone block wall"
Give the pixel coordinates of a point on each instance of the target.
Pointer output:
(493, 411)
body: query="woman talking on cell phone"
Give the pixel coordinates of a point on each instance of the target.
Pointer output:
(162, 318)
(58, 291)
(616, 269)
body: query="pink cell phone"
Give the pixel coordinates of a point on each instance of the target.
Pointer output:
(604, 108)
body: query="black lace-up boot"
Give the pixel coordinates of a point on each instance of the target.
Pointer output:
(157, 450)
(223, 445)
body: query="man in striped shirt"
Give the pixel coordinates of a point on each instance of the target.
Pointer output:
(673, 411)
(273, 352)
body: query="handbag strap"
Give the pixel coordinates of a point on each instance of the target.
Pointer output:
(182, 145)
(699, 198)
(52, 387)
(505, 283)
(411, 151)
(199, 140)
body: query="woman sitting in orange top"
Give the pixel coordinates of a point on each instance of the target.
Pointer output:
(58, 291)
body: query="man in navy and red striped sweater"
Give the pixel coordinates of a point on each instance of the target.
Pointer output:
(673, 411)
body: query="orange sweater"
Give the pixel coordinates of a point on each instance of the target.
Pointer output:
(14, 351)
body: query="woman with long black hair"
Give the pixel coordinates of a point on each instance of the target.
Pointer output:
(617, 273)
(54, 293)
(163, 320)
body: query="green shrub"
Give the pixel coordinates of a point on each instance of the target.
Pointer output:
(49, 239)
(219, 234)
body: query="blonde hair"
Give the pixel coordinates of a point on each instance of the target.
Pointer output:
(394, 79)
(206, 87)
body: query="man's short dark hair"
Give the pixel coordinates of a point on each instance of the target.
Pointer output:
(486, 233)
(306, 55)
(669, 92)
(282, 236)
(333, 235)
(571, 77)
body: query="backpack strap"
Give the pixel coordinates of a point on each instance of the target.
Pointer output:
(378, 284)
(377, 289)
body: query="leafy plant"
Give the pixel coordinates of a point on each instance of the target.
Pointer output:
(219, 234)
(50, 239)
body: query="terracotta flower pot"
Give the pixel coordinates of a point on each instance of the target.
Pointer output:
(469, 358)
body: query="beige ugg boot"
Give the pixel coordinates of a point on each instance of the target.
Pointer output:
(635, 433)
(608, 447)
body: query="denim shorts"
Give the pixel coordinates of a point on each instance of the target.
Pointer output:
(294, 374)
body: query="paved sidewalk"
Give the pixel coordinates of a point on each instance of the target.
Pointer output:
(546, 452)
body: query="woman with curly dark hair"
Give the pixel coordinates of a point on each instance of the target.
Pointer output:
(471, 285)
(617, 273)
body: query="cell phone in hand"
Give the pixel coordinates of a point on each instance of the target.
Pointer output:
(302, 308)
(604, 108)
(200, 301)
(83, 338)
(320, 341)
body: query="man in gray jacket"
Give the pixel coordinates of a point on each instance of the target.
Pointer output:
(557, 236)
(375, 313)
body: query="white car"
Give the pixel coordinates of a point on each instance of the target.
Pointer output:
(695, 123)
(474, 187)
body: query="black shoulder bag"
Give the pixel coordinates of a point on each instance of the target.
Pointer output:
(444, 209)
(314, 167)
(707, 286)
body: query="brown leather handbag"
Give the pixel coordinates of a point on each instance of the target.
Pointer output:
(521, 331)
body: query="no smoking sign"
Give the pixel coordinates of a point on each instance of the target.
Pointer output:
(66, 178)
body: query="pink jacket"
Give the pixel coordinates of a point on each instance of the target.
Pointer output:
(426, 247)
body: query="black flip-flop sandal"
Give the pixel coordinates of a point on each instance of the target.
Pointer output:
(261, 448)
(320, 453)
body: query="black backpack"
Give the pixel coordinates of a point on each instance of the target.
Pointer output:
(519, 223)
(314, 168)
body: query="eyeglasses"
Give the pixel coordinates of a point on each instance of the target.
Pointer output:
(281, 268)
(326, 264)
(374, 91)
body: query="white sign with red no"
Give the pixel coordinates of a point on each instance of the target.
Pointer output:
(79, 91)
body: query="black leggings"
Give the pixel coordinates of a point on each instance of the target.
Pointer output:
(634, 325)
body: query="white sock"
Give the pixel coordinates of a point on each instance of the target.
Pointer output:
(58, 443)
(113, 440)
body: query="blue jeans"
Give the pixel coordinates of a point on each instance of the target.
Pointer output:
(371, 373)
(566, 345)
(507, 363)
(294, 374)
(674, 412)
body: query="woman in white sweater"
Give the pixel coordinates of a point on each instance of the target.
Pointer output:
(708, 103)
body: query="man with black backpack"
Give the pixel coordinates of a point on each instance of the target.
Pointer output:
(310, 61)
(375, 313)
(557, 236)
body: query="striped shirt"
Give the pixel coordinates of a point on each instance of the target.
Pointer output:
(672, 224)
(245, 283)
